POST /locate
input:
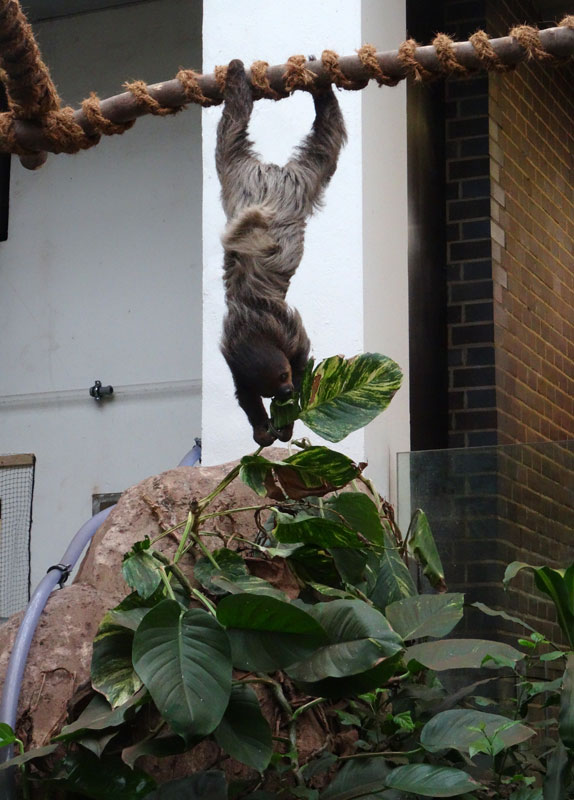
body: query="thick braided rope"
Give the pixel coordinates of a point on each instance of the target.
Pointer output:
(192, 89)
(140, 93)
(97, 121)
(446, 55)
(330, 62)
(368, 58)
(528, 38)
(486, 53)
(297, 76)
(413, 67)
(31, 92)
(260, 82)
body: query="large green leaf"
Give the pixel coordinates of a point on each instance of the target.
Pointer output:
(341, 395)
(422, 779)
(308, 528)
(457, 730)
(422, 544)
(359, 638)
(425, 615)
(208, 785)
(98, 715)
(313, 471)
(359, 513)
(462, 654)
(101, 779)
(230, 566)
(558, 585)
(267, 634)
(364, 778)
(244, 732)
(394, 581)
(112, 670)
(566, 714)
(354, 685)
(183, 658)
(492, 612)
(166, 744)
(141, 570)
(29, 755)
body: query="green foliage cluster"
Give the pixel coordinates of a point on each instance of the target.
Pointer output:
(179, 660)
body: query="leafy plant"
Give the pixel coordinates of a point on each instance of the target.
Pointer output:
(200, 649)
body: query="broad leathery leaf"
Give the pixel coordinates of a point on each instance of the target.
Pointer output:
(207, 785)
(362, 778)
(491, 612)
(422, 545)
(342, 395)
(7, 735)
(359, 638)
(107, 778)
(141, 572)
(457, 730)
(29, 755)
(112, 670)
(394, 580)
(354, 685)
(248, 583)
(552, 582)
(461, 654)
(230, 566)
(359, 514)
(160, 746)
(425, 615)
(267, 634)
(184, 660)
(566, 714)
(99, 715)
(527, 793)
(422, 779)
(313, 471)
(312, 529)
(244, 733)
(558, 778)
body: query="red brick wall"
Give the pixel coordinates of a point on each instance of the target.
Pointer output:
(532, 228)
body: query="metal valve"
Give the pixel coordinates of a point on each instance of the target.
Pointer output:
(98, 392)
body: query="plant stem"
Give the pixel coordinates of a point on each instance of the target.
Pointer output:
(382, 753)
(185, 536)
(166, 533)
(229, 478)
(307, 706)
(228, 511)
(167, 583)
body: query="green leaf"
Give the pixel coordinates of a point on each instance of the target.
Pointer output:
(7, 735)
(358, 513)
(394, 581)
(422, 544)
(354, 685)
(112, 670)
(208, 785)
(461, 654)
(491, 612)
(364, 778)
(101, 779)
(526, 793)
(243, 732)
(359, 639)
(230, 566)
(311, 529)
(431, 781)
(553, 583)
(457, 730)
(98, 715)
(425, 615)
(566, 714)
(30, 755)
(313, 471)
(141, 572)
(159, 747)
(183, 658)
(342, 395)
(267, 634)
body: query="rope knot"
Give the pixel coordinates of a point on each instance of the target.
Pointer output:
(297, 76)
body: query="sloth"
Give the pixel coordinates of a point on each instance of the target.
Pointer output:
(264, 342)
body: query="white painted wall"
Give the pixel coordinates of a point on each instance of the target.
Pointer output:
(351, 287)
(385, 242)
(328, 287)
(101, 276)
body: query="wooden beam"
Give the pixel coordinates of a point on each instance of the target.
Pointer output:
(18, 460)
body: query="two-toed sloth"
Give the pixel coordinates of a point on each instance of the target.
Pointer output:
(264, 341)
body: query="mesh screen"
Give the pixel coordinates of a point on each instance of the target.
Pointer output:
(16, 490)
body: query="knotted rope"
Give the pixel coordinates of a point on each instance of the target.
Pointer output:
(36, 120)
